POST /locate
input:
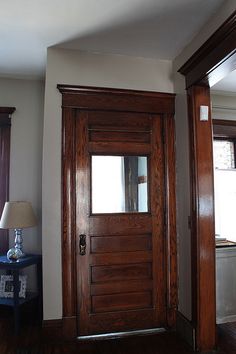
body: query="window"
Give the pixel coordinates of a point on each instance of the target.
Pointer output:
(224, 153)
(224, 149)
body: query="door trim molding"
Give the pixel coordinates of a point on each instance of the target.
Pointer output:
(209, 64)
(215, 58)
(80, 97)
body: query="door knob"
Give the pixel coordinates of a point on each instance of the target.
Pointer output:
(82, 244)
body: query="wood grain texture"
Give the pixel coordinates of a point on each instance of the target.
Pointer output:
(131, 285)
(68, 214)
(215, 58)
(5, 140)
(157, 189)
(86, 133)
(202, 229)
(117, 302)
(69, 327)
(120, 272)
(121, 257)
(123, 244)
(116, 99)
(170, 222)
(122, 320)
(119, 148)
(115, 224)
(118, 136)
(132, 122)
(115, 267)
(82, 195)
(6, 113)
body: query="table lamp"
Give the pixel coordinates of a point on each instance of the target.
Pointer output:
(17, 215)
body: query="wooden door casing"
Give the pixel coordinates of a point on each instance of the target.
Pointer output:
(81, 101)
(213, 61)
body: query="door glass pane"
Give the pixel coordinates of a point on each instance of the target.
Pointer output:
(119, 184)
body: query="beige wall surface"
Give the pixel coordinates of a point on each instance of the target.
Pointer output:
(223, 105)
(78, 68)
(182, 149)
(26, 150)
(183, 198)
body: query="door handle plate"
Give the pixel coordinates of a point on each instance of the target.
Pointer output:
(82, 244)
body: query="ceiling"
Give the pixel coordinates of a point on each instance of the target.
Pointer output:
(145, 28)
(227, 85)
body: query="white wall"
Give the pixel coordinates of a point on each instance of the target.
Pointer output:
(182, 149)
(78, 68)
(221, 104)
(183, 199)
(26, 149)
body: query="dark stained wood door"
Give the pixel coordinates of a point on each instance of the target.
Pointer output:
(127, 278)
(122, 276)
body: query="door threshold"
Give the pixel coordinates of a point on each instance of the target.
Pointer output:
(121, 334)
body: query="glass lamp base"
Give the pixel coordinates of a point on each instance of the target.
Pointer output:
(14, 254)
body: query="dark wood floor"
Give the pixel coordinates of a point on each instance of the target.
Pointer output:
(227, 337)
(33, 340)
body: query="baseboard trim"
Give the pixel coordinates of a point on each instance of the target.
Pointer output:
(52, 323)
(69, 327)
(52, 328)
(185, 329)
(65, 327)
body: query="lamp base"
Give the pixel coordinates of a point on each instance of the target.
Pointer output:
(14, 254)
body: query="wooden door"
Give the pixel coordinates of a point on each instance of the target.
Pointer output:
(122, 276)
(124, 263)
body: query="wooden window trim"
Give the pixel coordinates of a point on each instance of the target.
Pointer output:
(5, 130)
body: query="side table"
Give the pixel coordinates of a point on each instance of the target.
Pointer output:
(14, 268)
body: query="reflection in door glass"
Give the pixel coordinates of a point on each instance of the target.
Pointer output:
(119, 184)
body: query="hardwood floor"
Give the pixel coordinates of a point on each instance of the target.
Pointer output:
(30, 343)
(34, 340)
(227, 337)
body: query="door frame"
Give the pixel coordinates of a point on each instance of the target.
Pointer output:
(5, 142)
(210, 63)
(81, 97)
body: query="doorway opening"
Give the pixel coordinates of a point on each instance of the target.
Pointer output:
(224, 138)
(213, 61)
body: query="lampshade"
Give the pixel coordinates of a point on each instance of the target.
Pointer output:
(17, 215)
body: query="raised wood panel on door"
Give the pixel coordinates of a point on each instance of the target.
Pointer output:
(130, 260)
